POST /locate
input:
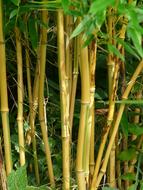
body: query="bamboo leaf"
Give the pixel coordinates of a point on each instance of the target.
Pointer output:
(136, 38)
(135, 129)
(114, 50)
(129, 48)
(65, 5)
(124, 124)
(132, 187)
(16, 2)
(100, 5)
(80, 28)
(127, 155)
(18, 179)
(13, 13)
(128, 176)
(109, 188)
(33, 33)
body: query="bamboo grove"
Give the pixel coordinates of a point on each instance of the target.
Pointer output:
(71, 94)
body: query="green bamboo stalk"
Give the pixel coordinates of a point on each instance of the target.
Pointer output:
(116, 125)
(41, 97)
(64, 99)
(4, 98)
(82, 160)
(20, 96)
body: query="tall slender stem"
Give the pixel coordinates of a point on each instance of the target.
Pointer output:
(82, 160)
(20, 96)
(117, 122)
(42, 120)
(4, 98)
(64, 99)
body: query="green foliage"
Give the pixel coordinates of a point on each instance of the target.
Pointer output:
(109, 188)
(17, 180)
(127, 155)
(33, 32)
(128, 176)
(93, 20)
(132, 187)
(100, 6)
(16, 2)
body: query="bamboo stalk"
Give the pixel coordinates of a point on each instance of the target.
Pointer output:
(32, 119)
(3, 180)
(68, 52)
(125, 147)
(41, 97)
(4, 98)
(20, 96)
(82, 160)
(64, 99)
(116, 125)
(92, 58)
(74, 83)
(136, 121)
(111, 67)
(118, 166)
(107, 127)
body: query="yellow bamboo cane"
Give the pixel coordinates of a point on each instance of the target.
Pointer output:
(82, 160)
(20, 96)
(4, 98)
(116, 125)
(32, 119)
(92, 60)
(41, 97)
(64, 99)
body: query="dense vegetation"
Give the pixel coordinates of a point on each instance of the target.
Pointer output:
(71, 94)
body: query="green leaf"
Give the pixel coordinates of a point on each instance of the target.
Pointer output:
(16, 2)
(17, 180)
(128, 176)
(13, 13)
(100, 5)
(124, 124)
(33, 33)
(132, 187)
(65, 5)
(136, 38)
(43, 187)
(127, 155)
(80, 28)
(135, 129)
(114, 50)
(109, 188)
(129, 48)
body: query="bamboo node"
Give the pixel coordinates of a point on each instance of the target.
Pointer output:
(2, 42)
(102, 171)
(42, 120)
(75, 72)
(124, 97)
(85, 102)
(92, 90)
(3, 110)
(111, 63)
(19, 118)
